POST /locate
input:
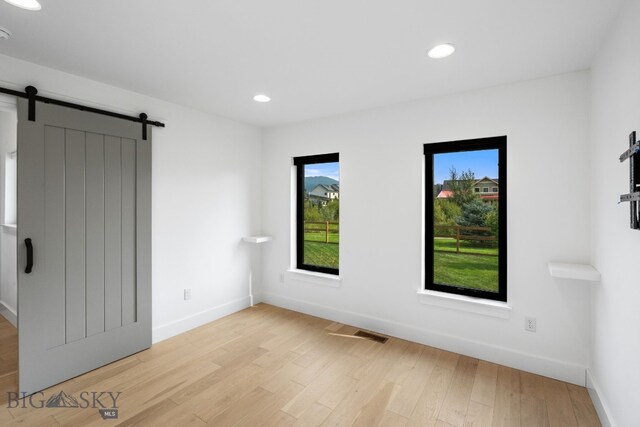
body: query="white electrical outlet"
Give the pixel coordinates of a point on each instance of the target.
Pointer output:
(530, 324)
(281, 277)
(187, 294)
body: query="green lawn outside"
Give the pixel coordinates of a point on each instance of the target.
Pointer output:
(333, 225)
(449, 245)
(320, 236)
(321, 254)
(468, 271)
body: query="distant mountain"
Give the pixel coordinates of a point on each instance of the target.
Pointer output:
(310, 182)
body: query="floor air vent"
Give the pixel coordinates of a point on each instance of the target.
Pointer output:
(372, 337)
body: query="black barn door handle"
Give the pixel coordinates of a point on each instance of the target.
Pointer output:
(29, 246)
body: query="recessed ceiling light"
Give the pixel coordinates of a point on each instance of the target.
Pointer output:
(261, 98)
(441, 51)
(4, 34)
(25, 4)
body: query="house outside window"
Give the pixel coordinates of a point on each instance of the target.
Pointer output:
(488, 194)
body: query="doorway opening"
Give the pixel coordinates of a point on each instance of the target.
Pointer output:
(8, 249)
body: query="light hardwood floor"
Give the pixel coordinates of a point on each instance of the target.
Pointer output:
(8, 360)
(266, 366)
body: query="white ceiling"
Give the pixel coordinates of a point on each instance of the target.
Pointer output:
(314, 58)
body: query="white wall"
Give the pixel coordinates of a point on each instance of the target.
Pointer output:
(206, 196)
(8, 273)
(615, 365)
(546, 122)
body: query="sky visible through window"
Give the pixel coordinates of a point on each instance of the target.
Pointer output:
(331, 170)
(482, 163)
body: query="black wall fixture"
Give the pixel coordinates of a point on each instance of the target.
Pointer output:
(31, 93)
(633, 154)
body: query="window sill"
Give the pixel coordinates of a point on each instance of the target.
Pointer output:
(465, 303)
(322, 279)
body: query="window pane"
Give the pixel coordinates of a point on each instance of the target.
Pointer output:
(322, 214)
(465, 218)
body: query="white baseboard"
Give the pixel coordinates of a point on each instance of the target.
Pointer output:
(257, 298)
(185, 324)
(9, 313)
(601, 407)
(552, 368)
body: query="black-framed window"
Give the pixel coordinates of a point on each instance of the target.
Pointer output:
(466, 230)
(318, 213)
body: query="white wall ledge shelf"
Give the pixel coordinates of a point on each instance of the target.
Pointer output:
(564, 270)
(257, 239)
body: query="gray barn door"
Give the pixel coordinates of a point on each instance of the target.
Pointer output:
(84, 200)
